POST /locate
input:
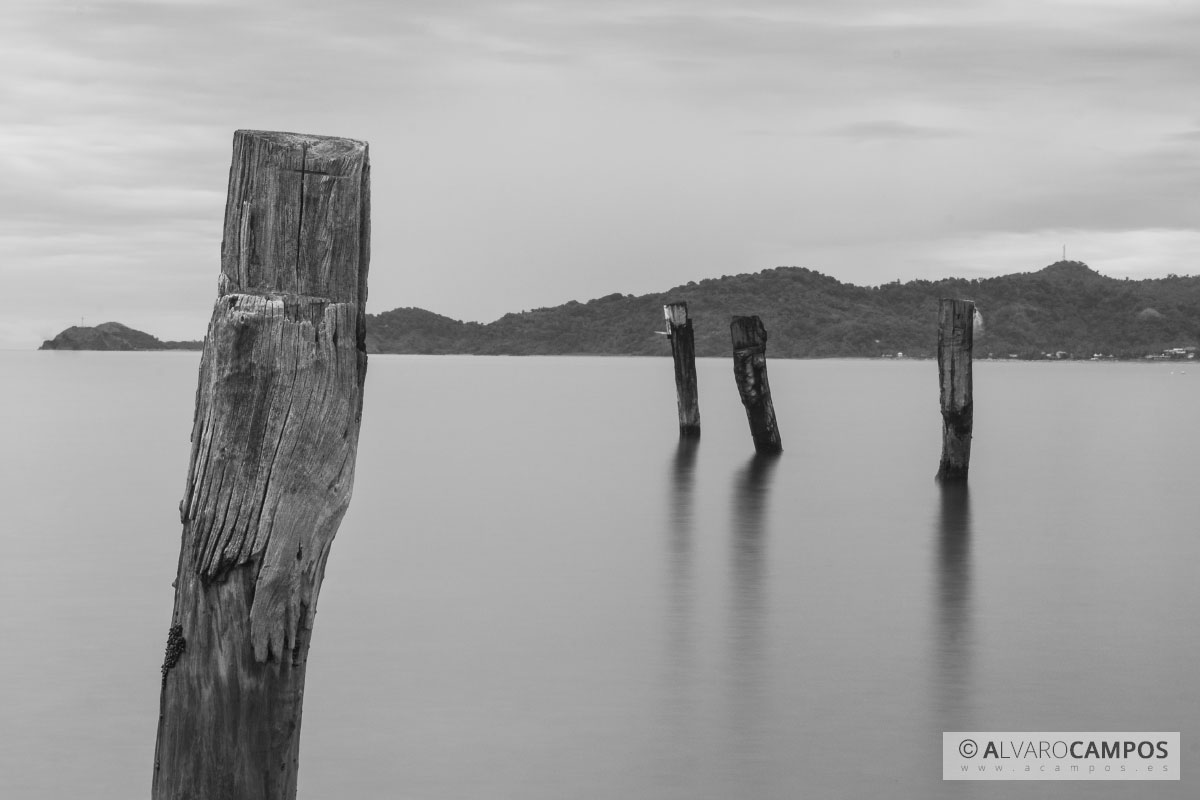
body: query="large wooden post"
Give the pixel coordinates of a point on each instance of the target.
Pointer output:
(750, 371)
(956, 321)
(683, 352)
(272, 465)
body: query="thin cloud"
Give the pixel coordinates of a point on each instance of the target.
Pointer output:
(1153, 188)
(891, 130)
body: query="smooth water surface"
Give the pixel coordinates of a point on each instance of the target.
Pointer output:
(539, 592)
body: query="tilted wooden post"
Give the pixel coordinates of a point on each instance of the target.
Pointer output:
(750, 371)
(272, 465)
(683, 352)
(956, 336)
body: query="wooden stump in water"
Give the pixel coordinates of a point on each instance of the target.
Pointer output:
(683, 352)
(272, 465)
(956, 336)
(750, 371)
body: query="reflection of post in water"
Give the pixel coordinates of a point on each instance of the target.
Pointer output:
(679, 554)
(750, 501)
(955, 634)
(747, 634)
(681, 723)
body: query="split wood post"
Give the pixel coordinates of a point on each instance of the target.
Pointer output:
(750, 371)
(683, 352)
(956, 329)
(273, 446)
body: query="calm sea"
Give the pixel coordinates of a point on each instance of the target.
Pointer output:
(539, 593)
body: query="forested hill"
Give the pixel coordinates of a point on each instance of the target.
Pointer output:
(112, 336)
(1066, 307)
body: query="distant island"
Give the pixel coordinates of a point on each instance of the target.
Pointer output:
(112, 336)
(1064, 311)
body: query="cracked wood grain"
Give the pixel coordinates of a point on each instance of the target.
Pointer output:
(274, 440)
(683, 354)
(750, 372)
(956, 338)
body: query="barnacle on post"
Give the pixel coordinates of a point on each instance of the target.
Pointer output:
(176, 644)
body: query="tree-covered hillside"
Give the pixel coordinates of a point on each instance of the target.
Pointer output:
(112, 336)
(1065, 307)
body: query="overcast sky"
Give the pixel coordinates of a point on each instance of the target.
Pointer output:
(529, 153)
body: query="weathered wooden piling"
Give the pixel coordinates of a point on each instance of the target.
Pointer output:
(956, 329)
(272, 465)
(750, 371)
(683, 352)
